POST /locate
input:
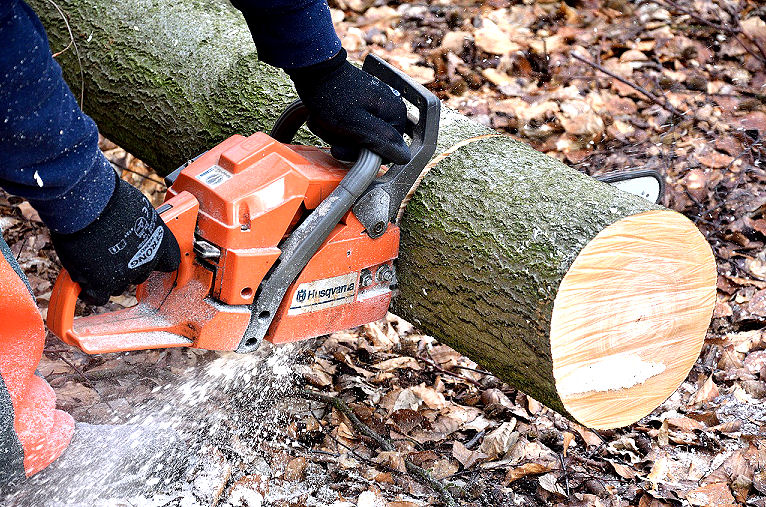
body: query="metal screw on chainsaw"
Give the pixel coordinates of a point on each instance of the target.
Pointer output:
(365, 278)
(378, 228)
(384, 273)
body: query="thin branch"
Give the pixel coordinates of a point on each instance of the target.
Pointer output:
(735, 32)
(87, 381)
(734, 15)
(640, 89)
(76, 51)
(438, 368)
(421, 473)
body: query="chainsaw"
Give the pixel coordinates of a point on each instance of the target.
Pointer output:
(278, 242)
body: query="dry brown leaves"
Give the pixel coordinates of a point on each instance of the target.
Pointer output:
(508, 65)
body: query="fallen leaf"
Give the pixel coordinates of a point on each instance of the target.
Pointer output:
(430, 396)
(445, 356)
(396, 363)
(706, 393)
(578, 119)
(492, 39)
(443, 468)
(391, 459)
(590, 438)
(549, 482)
(684, 423)
(295, 469)
(753, 121)
(624, 471)
(659, 471)
(407, 399)
(524, 470)
(755, 360)
(757, 304)
(714, 159)
(406, 420)
(316, 377)
(28, 212)
(754, 27)
(496, 77)
(633, 55)
(454, 41)
(465, 456)
(368, 499)
(712, 494)
(696, 184)
(500, 441)
(568, 439)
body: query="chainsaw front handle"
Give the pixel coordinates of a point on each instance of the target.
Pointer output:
(301, 245)
(380, 202)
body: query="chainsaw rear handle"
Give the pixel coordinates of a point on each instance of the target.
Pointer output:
(179, 214)
(379, 204)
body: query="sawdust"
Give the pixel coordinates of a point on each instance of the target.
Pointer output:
(611, 373)
(229, 403)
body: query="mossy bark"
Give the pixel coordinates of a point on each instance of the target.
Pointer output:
(486, 238)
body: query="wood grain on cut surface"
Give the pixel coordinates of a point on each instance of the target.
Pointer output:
(630, 317)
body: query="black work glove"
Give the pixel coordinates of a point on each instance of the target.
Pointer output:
(122, 246)
(349, 108)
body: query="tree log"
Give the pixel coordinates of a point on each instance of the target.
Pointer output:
(593, 301)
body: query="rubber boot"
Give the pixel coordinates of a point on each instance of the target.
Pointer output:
(32, 432)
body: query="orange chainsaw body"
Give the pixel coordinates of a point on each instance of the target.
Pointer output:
(229, 210)
(278, 241)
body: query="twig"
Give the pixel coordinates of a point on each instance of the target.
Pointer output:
(86, 379)
(438, 368)
(566, 473)
(76, 50)
(640, 89)
(421, 473)
(483, 372)
(145, 176)
(734, 15)
(475, 440)
(736, 32)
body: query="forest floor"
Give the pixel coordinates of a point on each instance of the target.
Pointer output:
(675, 86)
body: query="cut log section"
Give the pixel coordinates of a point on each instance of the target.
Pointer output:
(630, 317)
(593, 301)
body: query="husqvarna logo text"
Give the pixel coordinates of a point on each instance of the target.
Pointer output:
(323, 294)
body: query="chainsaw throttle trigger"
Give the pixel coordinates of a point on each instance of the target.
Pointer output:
(139, 327)
(380, 203)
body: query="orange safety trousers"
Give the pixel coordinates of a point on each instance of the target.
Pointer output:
(32, 432)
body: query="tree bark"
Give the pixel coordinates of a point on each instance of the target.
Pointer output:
(492, 238)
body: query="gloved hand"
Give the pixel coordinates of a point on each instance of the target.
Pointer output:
(349, 108)
(122, 246)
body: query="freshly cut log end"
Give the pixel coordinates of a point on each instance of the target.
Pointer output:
(630, 317)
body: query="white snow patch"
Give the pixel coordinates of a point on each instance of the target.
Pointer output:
(619, 371)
